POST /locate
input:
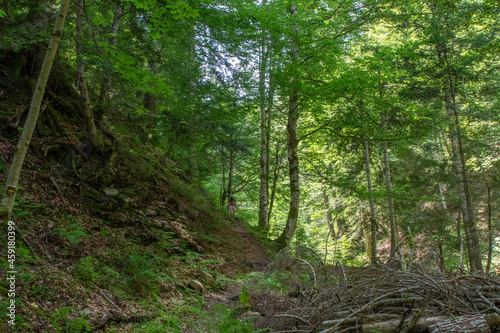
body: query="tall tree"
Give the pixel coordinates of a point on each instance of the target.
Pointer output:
(82, 82)
(292, 141)
(24, 141)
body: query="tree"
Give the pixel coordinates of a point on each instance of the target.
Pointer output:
(24, 141)
(82, 82)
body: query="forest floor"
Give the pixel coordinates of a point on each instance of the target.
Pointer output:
(257, 259)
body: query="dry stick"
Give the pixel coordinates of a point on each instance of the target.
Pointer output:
(367, 306)
(296, 317)
(312, 269)
(58, 190)
(116, 306)
(487, 301)
(417, 315)
(353, 320)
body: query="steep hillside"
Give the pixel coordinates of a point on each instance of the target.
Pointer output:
(119, 239)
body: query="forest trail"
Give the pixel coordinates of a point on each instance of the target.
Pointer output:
(256, 260)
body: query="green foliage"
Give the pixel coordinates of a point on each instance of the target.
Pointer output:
(23, 206)
(255, 282)
(86, 269)
(224, 320)
(141, 275)
(72, 232)
(63, 320)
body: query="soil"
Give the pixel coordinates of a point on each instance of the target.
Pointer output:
(256, 260)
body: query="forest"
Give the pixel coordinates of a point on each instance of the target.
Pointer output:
(360, 140)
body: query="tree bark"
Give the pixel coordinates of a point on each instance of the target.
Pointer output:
(230, 176)
(276, 175)
(223, 188)
(24, 141)
(490, 233)
(328, 214)
(82, 82)
(390, 201)
(373, 223)
(460, 243)
(365, 227)
(105, 97)
(388, 184)
(264, 153)
(465, 324)
(293, 158)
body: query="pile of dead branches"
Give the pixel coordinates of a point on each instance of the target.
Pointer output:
(381, 299)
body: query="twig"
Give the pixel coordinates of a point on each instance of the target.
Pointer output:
(367, 306)
(417, 315)
(296, 317)
(58, 189)
(487, 301)
(110, 301)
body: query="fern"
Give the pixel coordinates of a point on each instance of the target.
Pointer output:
(73, 233)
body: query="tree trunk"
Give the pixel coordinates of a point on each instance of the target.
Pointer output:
(276, 174)
(270, 103)
(476, 248)
(82, 82)
(390, 203)
(455, 136)
(388, 183)
(465, 324)
(24, 141)
(490, 232)
(293, 158)
(328, 214)
(460, 243)
(230, 176)
(373, 224)
(264, 153)
(440, 257)
(472, 238)
(411, 244)
(106, 86)
(150, 104)
(223, 188)
(365, 227)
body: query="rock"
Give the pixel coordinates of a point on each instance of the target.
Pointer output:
(196, 285)
(87, 311)
(250, 314)
(128, 202)
(208, 279)
(150, 212)
(110, 192)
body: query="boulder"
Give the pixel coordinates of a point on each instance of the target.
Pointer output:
(196, 285)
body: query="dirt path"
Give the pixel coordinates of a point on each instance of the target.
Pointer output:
(256, 260)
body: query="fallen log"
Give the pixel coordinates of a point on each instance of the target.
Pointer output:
(393, 326)
(466, 324)
(432, 324)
